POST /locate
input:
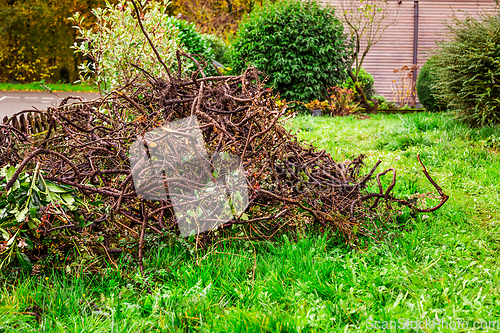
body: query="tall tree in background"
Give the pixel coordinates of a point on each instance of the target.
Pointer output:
(366, 21)
(35, 39)
(219, 17)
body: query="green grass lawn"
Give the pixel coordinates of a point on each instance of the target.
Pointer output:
(36, 86)
(443, 265)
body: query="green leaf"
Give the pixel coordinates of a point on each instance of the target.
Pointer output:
(60, 327)
(20, 216)
(68, 199)
(15, 186)
(29, 244)
(10, 172)
(12, 239)
(3, 171)
(192, 234)
(54, 188)
(32, 225)
(24, 260)
(5, 234)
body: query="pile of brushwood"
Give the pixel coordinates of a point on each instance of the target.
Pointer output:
(81, 156)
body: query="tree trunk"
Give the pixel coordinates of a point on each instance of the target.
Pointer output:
(364, 100)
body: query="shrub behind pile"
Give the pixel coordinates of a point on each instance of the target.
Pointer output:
(193, 40)
(425, 87)
(468, 69)
(196, 43)
(219, 48)
(299, 44)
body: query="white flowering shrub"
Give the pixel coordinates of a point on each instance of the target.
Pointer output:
(116, 44)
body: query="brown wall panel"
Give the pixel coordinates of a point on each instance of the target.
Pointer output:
(395, 49)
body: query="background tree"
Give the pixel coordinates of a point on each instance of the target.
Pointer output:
(219, 17)
(366, 21)
(36, 35)
(35, 39)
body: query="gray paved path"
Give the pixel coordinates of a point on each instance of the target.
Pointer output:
(15, 101)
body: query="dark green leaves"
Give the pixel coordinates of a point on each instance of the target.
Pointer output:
(23, 259)
(299, 44)
(23, 208)
(425, 82)
(467, 68)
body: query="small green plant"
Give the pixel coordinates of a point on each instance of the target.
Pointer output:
(425, 87)
(467, 67)
(387, 106)
(381, 99)
(366, 82)
(33, 214)
(299, 44)
(405, 140)
(421, 122)
(196, 43)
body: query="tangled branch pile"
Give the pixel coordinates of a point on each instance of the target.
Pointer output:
(86, 144)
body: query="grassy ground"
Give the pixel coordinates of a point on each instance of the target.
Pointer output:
(36, 86)
(444, 267)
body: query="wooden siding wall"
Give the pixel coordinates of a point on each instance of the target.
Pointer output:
(395, 49)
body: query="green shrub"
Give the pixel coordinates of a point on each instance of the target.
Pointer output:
(219, 48)
(299, 44)
(381, 99)
(367, 82)
(467, 67)
(195, 42)
(117, 42)
(425, 91)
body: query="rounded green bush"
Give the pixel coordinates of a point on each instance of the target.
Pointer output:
(425, 81)
(299, 44)
(381, 99)
(467, 68)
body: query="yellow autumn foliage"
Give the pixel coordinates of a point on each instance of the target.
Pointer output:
(35, 39)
